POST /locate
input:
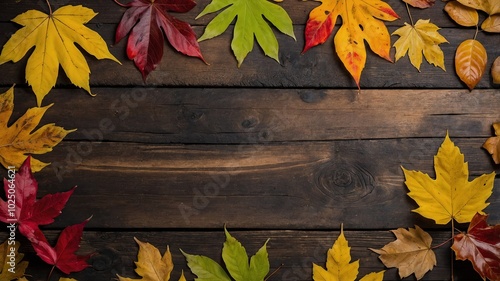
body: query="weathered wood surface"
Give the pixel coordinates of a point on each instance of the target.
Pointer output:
(294, 251)
(319, 67)
(286, 151)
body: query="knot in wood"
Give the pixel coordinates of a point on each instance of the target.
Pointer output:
(344, 181)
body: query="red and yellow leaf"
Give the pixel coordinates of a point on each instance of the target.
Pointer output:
(361, 21)
(470, 62)
(481, 246)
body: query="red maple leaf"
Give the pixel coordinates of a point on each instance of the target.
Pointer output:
(146, 19)
(481, 246)
(63, 254)
(29, 212)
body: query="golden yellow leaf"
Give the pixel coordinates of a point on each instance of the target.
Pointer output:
(18, 140)
(489, 6)
(492, 23)
(411, 252)
(151, 265)
(470, 62)
(12, 267)
(421, 38)
(493, 144)
(450, 196)
(461, 14)
(495, 71)
(339, 266)
(54, 37)
(361, 21)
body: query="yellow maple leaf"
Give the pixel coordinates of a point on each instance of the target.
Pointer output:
(424, 38)
(54, 36)
(450, 196)
(339, 266)
(18, 140)
(151, 265)
(12, 267)
(411, 252)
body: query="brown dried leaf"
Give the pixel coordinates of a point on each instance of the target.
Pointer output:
(493, 144)
(422, 4)
(495, 71)
(411, 252)
(492, 23)
(470, 62)
(461, 14)
(489, 6)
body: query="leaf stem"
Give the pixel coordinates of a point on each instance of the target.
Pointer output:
(50, 273)
(442, 244)
(274, 272)
(121, 5)
(409, 14)
(50, 8)
(451, 252)
(477, 30)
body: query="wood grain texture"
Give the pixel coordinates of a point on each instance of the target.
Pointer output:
(295, 251)
(299, 185)
(263, 116)
(287, 151)
(319, 67)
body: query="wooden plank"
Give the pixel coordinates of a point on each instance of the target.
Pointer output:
(263, 116)
(109, 12)
(319, 67)
(295, 250)
(314, 185)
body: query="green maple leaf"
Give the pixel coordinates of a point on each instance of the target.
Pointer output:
(236, 260)
(250, 23)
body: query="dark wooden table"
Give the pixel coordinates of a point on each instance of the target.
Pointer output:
(285, 151)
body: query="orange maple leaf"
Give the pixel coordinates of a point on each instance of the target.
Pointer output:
(361, 20)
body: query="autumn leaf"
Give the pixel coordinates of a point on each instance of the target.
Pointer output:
(62, 256)
(236, 260)
(339, 266)
(491, 7)
(492, 144)
(17, 140)
(29, 212)
(145, 20)
(481, 246)
(495, 71)
(54, 37)
(424, 38)
(151, 265)
(12, 267)
(252, 20)
(411, 252)
(450, 196)
(361, 20)
(461, 14)
(470, 62)
(422, 4)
